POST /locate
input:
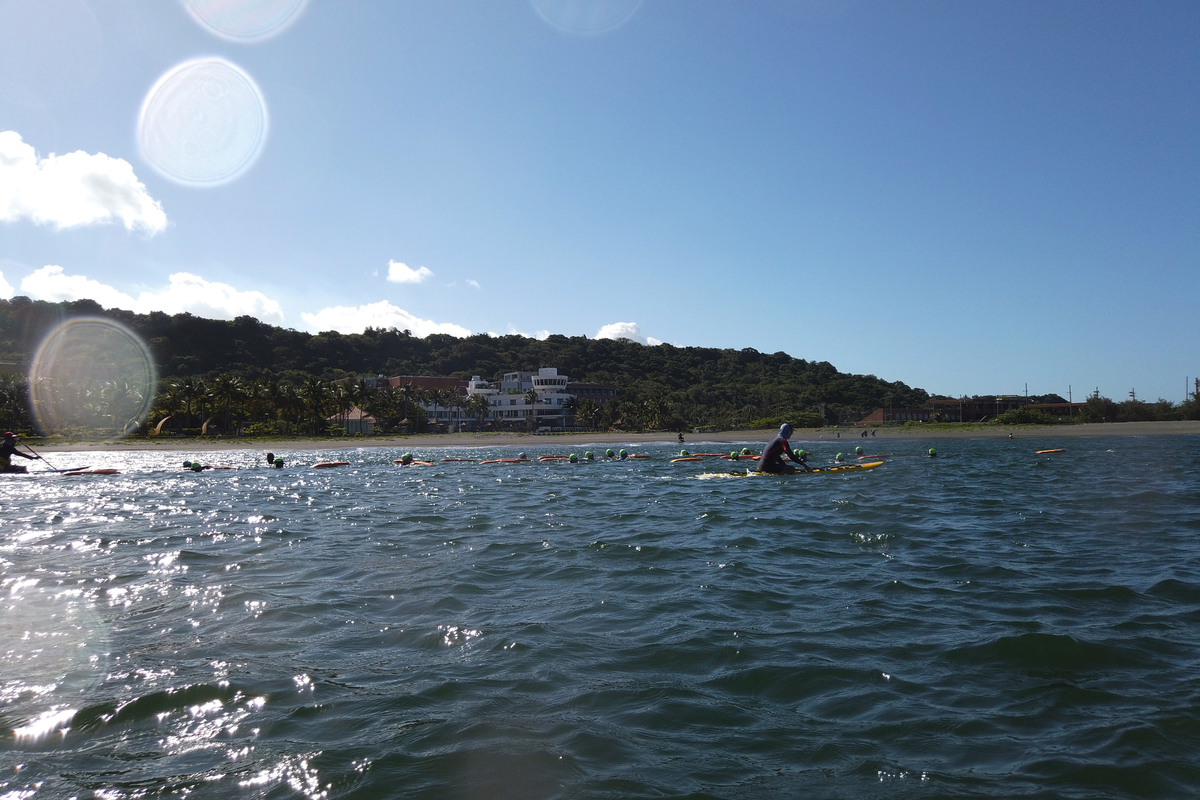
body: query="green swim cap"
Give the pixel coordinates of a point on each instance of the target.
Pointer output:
(838, 457)
(745, 451)
(801, 454)
(588, 455)
(623, 452)
(609, 452)
(933, 451)
(574, 459)
(858, 450)
(684, 454)
(733, 454)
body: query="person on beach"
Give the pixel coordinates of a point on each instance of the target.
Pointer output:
(771, 459)
(9, 449)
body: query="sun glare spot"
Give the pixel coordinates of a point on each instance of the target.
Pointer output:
(586, 17)
(204, 123)
(245, 21)
(91, 376)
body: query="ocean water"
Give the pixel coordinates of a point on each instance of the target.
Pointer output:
(988, 623)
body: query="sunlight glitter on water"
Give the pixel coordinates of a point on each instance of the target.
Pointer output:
(611, 629)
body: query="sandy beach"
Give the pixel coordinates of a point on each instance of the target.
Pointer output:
(562, 441)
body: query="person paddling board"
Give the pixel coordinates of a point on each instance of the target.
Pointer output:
(771, 459)
(9, 449)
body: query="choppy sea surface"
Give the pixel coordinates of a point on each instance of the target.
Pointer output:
(987, 623)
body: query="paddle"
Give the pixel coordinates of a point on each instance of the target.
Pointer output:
(50, 466)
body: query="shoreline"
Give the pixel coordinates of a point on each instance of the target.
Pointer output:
(447, 440)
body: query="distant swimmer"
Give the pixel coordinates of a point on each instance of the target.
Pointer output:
(681, 438)
(771, 459)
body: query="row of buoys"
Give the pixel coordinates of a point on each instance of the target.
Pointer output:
(684, 455)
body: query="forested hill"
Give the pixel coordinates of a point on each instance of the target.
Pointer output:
(704, 385)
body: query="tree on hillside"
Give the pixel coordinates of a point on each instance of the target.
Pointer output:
(589, 412)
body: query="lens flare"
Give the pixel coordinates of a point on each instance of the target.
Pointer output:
(204, 123)
(245, 21)
(91, 377)
(54, 656)
(586, 17)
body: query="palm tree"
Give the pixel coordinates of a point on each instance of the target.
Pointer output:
(339, 397)
(531, 397)
(589, 411)
(409, 397)
(190, 388)
(479, 407)
(453, 401)
(571, 406)
(225, 390)
(315, 397)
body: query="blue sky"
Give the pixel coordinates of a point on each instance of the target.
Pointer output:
(968, 197)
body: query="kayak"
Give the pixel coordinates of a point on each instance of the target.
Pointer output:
(553, 458)
(818, 471)
(458, 459)
(328, 464)
(686, 458)
(505, 461)
(73, 471)
(1058, 450)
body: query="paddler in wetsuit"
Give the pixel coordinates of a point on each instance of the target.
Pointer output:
(9, 449)
(771, 459)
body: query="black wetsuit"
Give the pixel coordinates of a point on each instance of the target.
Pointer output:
(8, 449)
(771, 459)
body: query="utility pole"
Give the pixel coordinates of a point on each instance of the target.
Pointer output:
(1133, 393)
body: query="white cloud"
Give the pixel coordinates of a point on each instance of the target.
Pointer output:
(541, 336)
(403, 273)
(72, 190)
(50, 284)
(474, 284)
(650, 340)
(6, 291)
(186, 293)
(351, 319)
(621, 330)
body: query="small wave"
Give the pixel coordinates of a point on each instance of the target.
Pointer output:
(1047, 651)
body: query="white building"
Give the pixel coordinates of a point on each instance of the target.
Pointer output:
(510, 406)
